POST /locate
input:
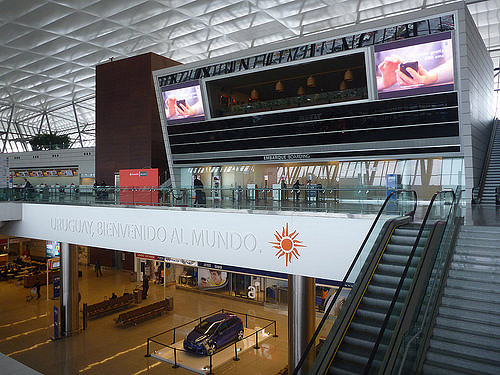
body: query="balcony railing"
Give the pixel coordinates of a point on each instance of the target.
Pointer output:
(360, 199)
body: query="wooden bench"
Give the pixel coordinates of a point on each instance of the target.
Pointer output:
(144, 313)
(110, 305)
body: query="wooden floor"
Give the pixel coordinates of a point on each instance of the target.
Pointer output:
(26, 328)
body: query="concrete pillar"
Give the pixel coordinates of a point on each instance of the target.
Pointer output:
(301, 320)
(70, 321)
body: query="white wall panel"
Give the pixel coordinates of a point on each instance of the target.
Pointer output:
(328, 243)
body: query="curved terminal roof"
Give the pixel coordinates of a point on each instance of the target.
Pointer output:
(49, 48)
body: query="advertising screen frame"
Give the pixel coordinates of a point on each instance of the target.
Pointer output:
(180, 86)
(386, 93)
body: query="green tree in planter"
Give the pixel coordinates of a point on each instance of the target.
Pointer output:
(50, 141)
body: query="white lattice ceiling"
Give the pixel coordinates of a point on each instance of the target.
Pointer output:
(49, 48)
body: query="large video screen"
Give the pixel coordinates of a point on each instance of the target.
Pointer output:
(53, 249)
(415, 66)
(183, 103)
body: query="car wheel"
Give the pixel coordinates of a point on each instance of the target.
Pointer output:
(211, 350)
(240, 335)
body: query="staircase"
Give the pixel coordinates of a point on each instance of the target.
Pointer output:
(466, 335)
(355, 349)
(493, 174)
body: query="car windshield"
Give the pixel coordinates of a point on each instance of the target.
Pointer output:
(206, 328)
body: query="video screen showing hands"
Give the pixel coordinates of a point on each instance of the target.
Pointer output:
(183, 103)
(415, 66)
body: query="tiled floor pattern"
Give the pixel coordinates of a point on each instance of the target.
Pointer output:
(25, 328)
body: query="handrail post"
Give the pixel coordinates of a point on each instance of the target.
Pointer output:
(235, 352)
(147, 350)
(175, 359)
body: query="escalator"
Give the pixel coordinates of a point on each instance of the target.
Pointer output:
(388, 289)
(353, 351)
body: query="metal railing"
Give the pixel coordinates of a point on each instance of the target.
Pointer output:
(363, 199)
(153, 339)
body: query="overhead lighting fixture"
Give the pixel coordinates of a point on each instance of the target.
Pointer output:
(348, 77)
(311, 82)
(254, 94)
(279, 86)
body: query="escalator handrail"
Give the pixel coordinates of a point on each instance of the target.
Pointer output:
(344, 281)
(403, 276)
(433, 288)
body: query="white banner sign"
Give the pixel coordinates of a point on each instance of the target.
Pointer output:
(303, 244)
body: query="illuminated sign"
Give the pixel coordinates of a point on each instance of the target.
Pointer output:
(183, 103)
(415, 66)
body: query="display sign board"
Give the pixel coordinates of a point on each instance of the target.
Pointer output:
(150, 257)
(53, 249)
(309, 244)
(139, 186)
(415, 66)
(183, 103)
(211, 279)
(56, 286)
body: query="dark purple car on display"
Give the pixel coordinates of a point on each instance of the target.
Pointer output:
(213, 333)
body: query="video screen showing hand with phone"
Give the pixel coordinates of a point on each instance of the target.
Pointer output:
(413, 74)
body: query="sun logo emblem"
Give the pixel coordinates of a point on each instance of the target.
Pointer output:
(287, 244)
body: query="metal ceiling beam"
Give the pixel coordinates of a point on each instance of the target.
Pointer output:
(77, 124)
(8, 129)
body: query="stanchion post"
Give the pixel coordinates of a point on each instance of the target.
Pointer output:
(211, 364)
(235, 353)
(275, 334)
(175, 359)
(246, 320)
(147, 349)
(174, 337)
(256, 340)
(84, 313)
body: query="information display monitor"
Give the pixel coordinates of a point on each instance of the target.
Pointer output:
(415, 66)
(183, 103)
(53, 249)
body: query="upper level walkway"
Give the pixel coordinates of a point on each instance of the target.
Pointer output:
(356, 200)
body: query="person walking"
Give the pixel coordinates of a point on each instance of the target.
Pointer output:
(145, 286)
(296, 190)
(98, 271)
(37, 286)
(198, 186)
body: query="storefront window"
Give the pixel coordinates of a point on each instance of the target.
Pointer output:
(325, 81)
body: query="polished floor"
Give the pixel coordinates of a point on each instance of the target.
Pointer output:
(26, 328)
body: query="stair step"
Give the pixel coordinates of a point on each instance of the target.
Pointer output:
(473, 285)
(471, 295)
(470, 316)
(485, 268)
(474, 276)
(472, 339)
(463, 259)
(444, 360)
(400, 259)
(480, 241)
(463, 350)
(478, 251)
(480, 306)
(469, 327)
